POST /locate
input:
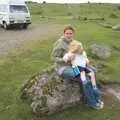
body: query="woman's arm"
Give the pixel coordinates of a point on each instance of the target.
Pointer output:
(57, 56)
(58, 52)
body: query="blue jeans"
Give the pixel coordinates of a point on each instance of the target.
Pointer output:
(92, 97)
(66, 73)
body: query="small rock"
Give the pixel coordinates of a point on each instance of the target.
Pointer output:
(116, 27)
(114, 90)
(105, 25)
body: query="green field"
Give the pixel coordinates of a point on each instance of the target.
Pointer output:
(20, 65)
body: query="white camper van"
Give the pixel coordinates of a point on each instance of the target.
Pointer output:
(14, 13)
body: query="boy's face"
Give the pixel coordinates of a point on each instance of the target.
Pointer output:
(75, 48)
(68, 34)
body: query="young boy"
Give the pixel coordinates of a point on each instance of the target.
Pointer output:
(78, 58)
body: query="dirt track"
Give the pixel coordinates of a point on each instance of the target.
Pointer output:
(17, 38)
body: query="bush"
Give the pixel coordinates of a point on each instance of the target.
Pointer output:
(85, 18)
(69, 14)
(79, 18)
(44, 2)
(39, 13)
(113, 15)
(118, 7)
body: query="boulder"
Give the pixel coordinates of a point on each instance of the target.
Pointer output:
(47, 93)
(100, 51)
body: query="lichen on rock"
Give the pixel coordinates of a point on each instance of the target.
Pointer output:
(47, 93)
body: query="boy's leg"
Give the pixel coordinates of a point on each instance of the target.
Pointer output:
(87, 91)
(96, 90)
(82, 80)
(93, 79)
(83, 77)
(94, 86)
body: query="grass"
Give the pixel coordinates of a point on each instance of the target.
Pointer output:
(15, 71)
(20, 65)
(23, 64)
(60, 11)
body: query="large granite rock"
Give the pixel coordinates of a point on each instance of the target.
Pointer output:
(100, 51)
(47, 93)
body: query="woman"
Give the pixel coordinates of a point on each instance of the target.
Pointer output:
(64, 69)
(60, 48)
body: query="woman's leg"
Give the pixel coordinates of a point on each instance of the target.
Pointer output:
(66, 73)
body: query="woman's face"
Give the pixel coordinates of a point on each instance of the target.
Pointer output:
(68, 34)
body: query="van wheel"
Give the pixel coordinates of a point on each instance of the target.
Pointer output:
(25, 26)
(21, 27)
(5, 26)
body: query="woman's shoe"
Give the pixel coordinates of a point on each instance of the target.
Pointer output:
(101, 102)
(98, 106)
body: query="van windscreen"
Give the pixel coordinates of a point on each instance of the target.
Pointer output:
(18, 8)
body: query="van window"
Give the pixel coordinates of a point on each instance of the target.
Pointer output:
(3, 8)
(18, 8)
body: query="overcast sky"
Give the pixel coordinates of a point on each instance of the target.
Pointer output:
(76, 1)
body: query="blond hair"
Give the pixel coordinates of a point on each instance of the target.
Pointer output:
(75, 47)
